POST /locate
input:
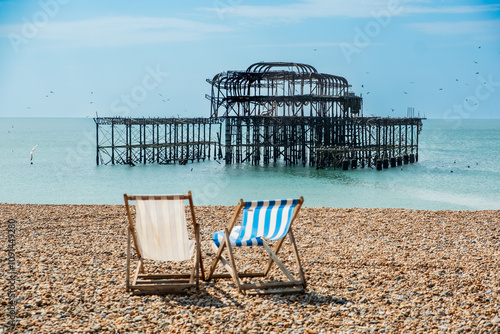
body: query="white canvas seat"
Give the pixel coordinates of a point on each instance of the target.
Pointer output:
(160, 233)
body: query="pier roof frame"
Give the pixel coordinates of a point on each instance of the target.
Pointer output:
(257, 91)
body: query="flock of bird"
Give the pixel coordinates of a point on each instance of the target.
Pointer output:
(163, 99)
(439, 89)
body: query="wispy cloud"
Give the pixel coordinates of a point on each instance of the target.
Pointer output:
(304, 45)
(120, 31)
(305, 9)
(457, 28)
(450, 9)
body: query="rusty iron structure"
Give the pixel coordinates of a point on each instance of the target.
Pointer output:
(131, 141)
(295, 90)
(270, 112)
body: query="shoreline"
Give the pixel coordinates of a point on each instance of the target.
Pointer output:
(231, 206)
(367, 270)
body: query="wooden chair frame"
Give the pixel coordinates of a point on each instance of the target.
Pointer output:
(292, 286)
(143, 283)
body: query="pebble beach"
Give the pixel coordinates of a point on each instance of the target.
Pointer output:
(367, 271)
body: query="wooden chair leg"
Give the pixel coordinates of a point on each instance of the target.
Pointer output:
(198, 249)
(297, 258)
(127, 279)
(217, 259)
(278, 262)
(137, 271)
(236, 279)
(277, 248)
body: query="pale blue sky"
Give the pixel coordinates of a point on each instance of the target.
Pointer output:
(71, 58)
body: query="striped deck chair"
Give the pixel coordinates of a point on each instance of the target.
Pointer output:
(262, 222)
(160, 233)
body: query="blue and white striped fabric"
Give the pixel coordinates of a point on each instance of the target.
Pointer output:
(268, 219)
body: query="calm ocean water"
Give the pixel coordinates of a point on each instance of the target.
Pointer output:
(64, 172)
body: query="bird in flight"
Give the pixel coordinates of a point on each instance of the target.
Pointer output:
(31, 153)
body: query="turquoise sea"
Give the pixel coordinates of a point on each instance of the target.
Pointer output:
(458, 168)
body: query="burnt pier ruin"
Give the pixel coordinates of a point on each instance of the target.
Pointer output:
(268, 113)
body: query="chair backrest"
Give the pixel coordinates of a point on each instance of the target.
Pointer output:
(269, 219)
(160, 228)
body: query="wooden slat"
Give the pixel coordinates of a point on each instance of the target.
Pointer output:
(157, 197)
(239, 274)
(160, 281)
(137, 270)
(236, 279)
(198, 264)
(218, 251)
(127, 278)
(131, 225)
(215, 248)
(277, 248)
(160, 289)
(279, 263)
(297, 258)
(227, 266)
(165, 276)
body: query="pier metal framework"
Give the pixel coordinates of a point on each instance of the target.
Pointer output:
(270, 112)
(156, 140)
(289, 111)
(281, 89)
(373, 142)
(322, 141)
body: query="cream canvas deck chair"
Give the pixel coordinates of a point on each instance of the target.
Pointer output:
(262, 221)
(160, 233)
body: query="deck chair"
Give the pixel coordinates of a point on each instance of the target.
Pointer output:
(160, 233)
(262, 221)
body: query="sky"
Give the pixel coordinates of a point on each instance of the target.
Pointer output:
(81, 58)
